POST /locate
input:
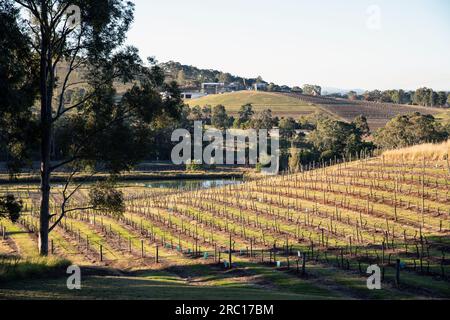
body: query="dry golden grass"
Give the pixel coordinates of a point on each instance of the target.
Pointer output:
(428, 151)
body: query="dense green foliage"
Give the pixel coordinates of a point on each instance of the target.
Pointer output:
(408, 130)
(18, 89)
(105, 198)
(220, 119)
(10, 208)
(422, 97)
(96, 129)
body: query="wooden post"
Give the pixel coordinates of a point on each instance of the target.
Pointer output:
(287, 253)
(157, 254)
(230, 255)
(142, 249)
(52, 247)
(129, 244)
(101, 253)
(196, 248)
(382, 261)
(397, 273)
(304, 264)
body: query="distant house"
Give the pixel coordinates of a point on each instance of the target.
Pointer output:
(260, 86)
(213, 87)
(235, 86)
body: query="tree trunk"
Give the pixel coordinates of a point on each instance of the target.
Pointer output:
(46, 124)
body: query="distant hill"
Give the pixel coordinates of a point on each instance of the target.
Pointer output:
(377, 114)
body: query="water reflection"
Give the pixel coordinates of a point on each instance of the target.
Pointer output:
(190, 184)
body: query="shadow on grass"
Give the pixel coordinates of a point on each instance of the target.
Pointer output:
(211, 283)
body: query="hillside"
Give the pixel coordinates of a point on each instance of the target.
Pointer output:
(377, 114)
(296, 105)
(192, 77)
(432, 152)
(282, 106)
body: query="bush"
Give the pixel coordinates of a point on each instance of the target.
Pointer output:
(327, 155)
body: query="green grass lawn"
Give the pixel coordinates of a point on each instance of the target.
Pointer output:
(280, 105)
(205, 284)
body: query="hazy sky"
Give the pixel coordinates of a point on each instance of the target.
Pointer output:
(346, 44)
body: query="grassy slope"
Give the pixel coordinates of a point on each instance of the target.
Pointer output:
(444, 117)
(279, 104)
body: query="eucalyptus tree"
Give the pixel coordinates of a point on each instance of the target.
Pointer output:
(78, 46)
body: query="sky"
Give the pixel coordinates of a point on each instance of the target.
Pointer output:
(351, 44)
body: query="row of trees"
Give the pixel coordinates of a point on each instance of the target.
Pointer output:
(422, 97)
(318, 137)
(193, 77)
(190, 76)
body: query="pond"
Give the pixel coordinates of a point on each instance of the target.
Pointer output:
(184, 184)
(189, 184)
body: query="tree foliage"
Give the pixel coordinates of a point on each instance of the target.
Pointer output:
(333, 138)
(220, 119)
(105, 198)
(312, 90)
(408, 130)
(97, 129)
(245, 115)
(263, 120)
(18, 88)
(10, 208)
(362, 125)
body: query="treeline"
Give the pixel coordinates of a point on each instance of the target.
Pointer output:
(316, 137)
(320, 138)
(313, 138)
(190, 76)
(421, 97)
